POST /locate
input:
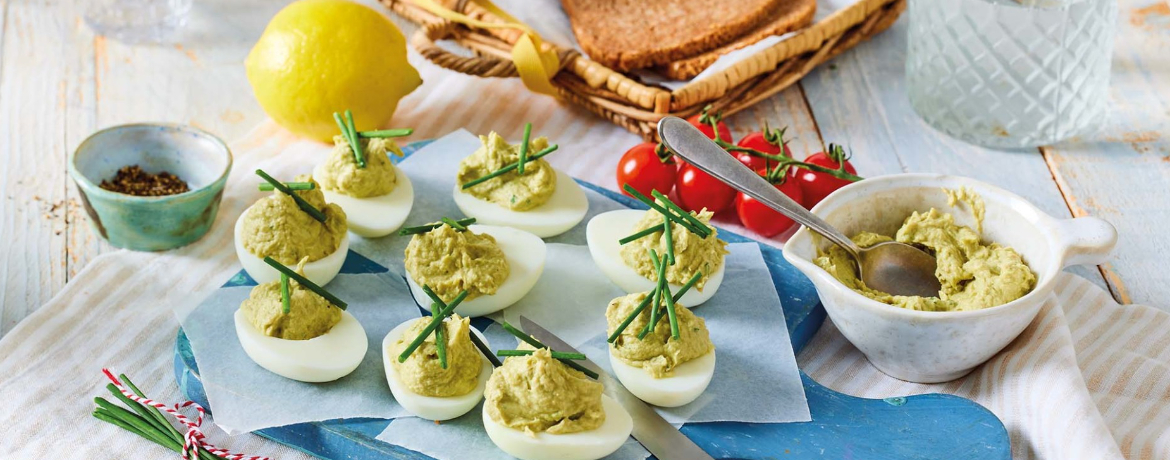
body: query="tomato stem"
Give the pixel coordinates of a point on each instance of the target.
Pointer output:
(782, 160)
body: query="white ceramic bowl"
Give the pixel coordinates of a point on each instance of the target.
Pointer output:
(930, 347)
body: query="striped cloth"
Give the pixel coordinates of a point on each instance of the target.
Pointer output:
(1088, 379)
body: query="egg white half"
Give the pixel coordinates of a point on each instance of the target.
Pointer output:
(564, 209)
(602, 235)
(582, 445)
(431, 407)
(376, 216)
(687, 383)
(320, 359)
(320, 271)
(525, 255)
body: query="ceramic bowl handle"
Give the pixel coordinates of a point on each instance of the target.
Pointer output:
(1086, 240)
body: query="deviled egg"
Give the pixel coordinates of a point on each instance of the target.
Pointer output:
(313, 340)
(658, 368)
(541, 200)
(496, 265)
(629, 265)
(279, 227)
(376, 197)
(421, 383)
(538, 408)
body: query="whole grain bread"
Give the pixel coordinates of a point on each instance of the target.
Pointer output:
(632, 34)
(790, 15)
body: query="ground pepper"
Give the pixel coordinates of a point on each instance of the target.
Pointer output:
(132, 180)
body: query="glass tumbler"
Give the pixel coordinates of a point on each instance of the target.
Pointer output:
(137, 21)
(1010, 74)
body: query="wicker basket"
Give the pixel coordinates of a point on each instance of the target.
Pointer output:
(637, 106)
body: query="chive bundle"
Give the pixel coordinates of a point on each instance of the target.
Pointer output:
(436, 320)
(289, 273)
(661, 294)
(266, 187)
(145, 421)
(349, 131)
(498, 172)
(536, 343)
(674, 213)
(436, 301)
(285, 300)
(304, 205)
(460, 225)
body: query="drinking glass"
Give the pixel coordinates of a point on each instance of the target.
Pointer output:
(137, 21)
(1003, 73)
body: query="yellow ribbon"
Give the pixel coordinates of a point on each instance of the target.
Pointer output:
(535, 63)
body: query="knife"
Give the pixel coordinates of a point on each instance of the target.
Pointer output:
(655, 433)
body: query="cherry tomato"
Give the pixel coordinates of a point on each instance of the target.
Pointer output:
(817, 185)
(643, 169)
(762, 219)
(759, 141)
(698, 190)
(724, 131)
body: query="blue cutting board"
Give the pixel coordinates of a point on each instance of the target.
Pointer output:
(931, 426)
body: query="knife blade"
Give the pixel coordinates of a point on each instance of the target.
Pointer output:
(658, 436)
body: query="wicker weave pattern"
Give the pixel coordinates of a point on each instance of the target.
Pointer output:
(632, 104)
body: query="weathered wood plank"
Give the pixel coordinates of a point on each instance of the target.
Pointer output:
(859, 99)
(32, 216)
(1122, 174)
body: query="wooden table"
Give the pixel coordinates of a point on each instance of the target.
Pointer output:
(59, 82)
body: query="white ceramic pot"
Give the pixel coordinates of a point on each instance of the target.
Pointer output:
(929, 347)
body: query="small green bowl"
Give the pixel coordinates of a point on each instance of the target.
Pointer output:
(152, 223)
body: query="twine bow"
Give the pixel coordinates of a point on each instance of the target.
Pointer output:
(194, 439)
(535, 63)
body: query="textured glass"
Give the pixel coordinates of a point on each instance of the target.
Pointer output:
(136, 21)
(1003, 74)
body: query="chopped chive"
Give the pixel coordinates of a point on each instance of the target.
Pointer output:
(266, 187)
(669, 241)
(555, 354)
(672, 316)
(435, 321)
(686, 287)
(483, 348)
(453, 224)
(669, 215)
(358, 154)
(648, 231)
(285, 302)
(304, 205)
(685, 215)
(630, 318)
(655, 315)
(536, 343)
(524, 149)
(387, 133)
(440, 337)
(345, 133)
(429, 227)
(498, 172)
(305, 282)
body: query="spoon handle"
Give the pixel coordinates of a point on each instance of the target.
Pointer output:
(697, 149)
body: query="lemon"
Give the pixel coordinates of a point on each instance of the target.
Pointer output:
(317, 57)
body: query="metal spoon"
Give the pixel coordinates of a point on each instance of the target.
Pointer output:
(896, 268)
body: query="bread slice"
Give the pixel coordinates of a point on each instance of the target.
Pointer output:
(789, 16)
(633, 34)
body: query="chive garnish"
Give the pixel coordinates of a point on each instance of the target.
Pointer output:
(702, 232)
(483, 348)
(266, 187)
(630, 318)
(440, 338)
(686, 215)
(555, 354)
(387, 133)
(349, 139)
(304, 205)
(498, 172)
(648, 231)
(669, 241)
(358, 155)
(453, 224)
(536, 343)
(285, 301)
(686, 287)
(524, 149)
(671, 315)
(659, 291)
(305, 282)
(436, 320)
(429, 227)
